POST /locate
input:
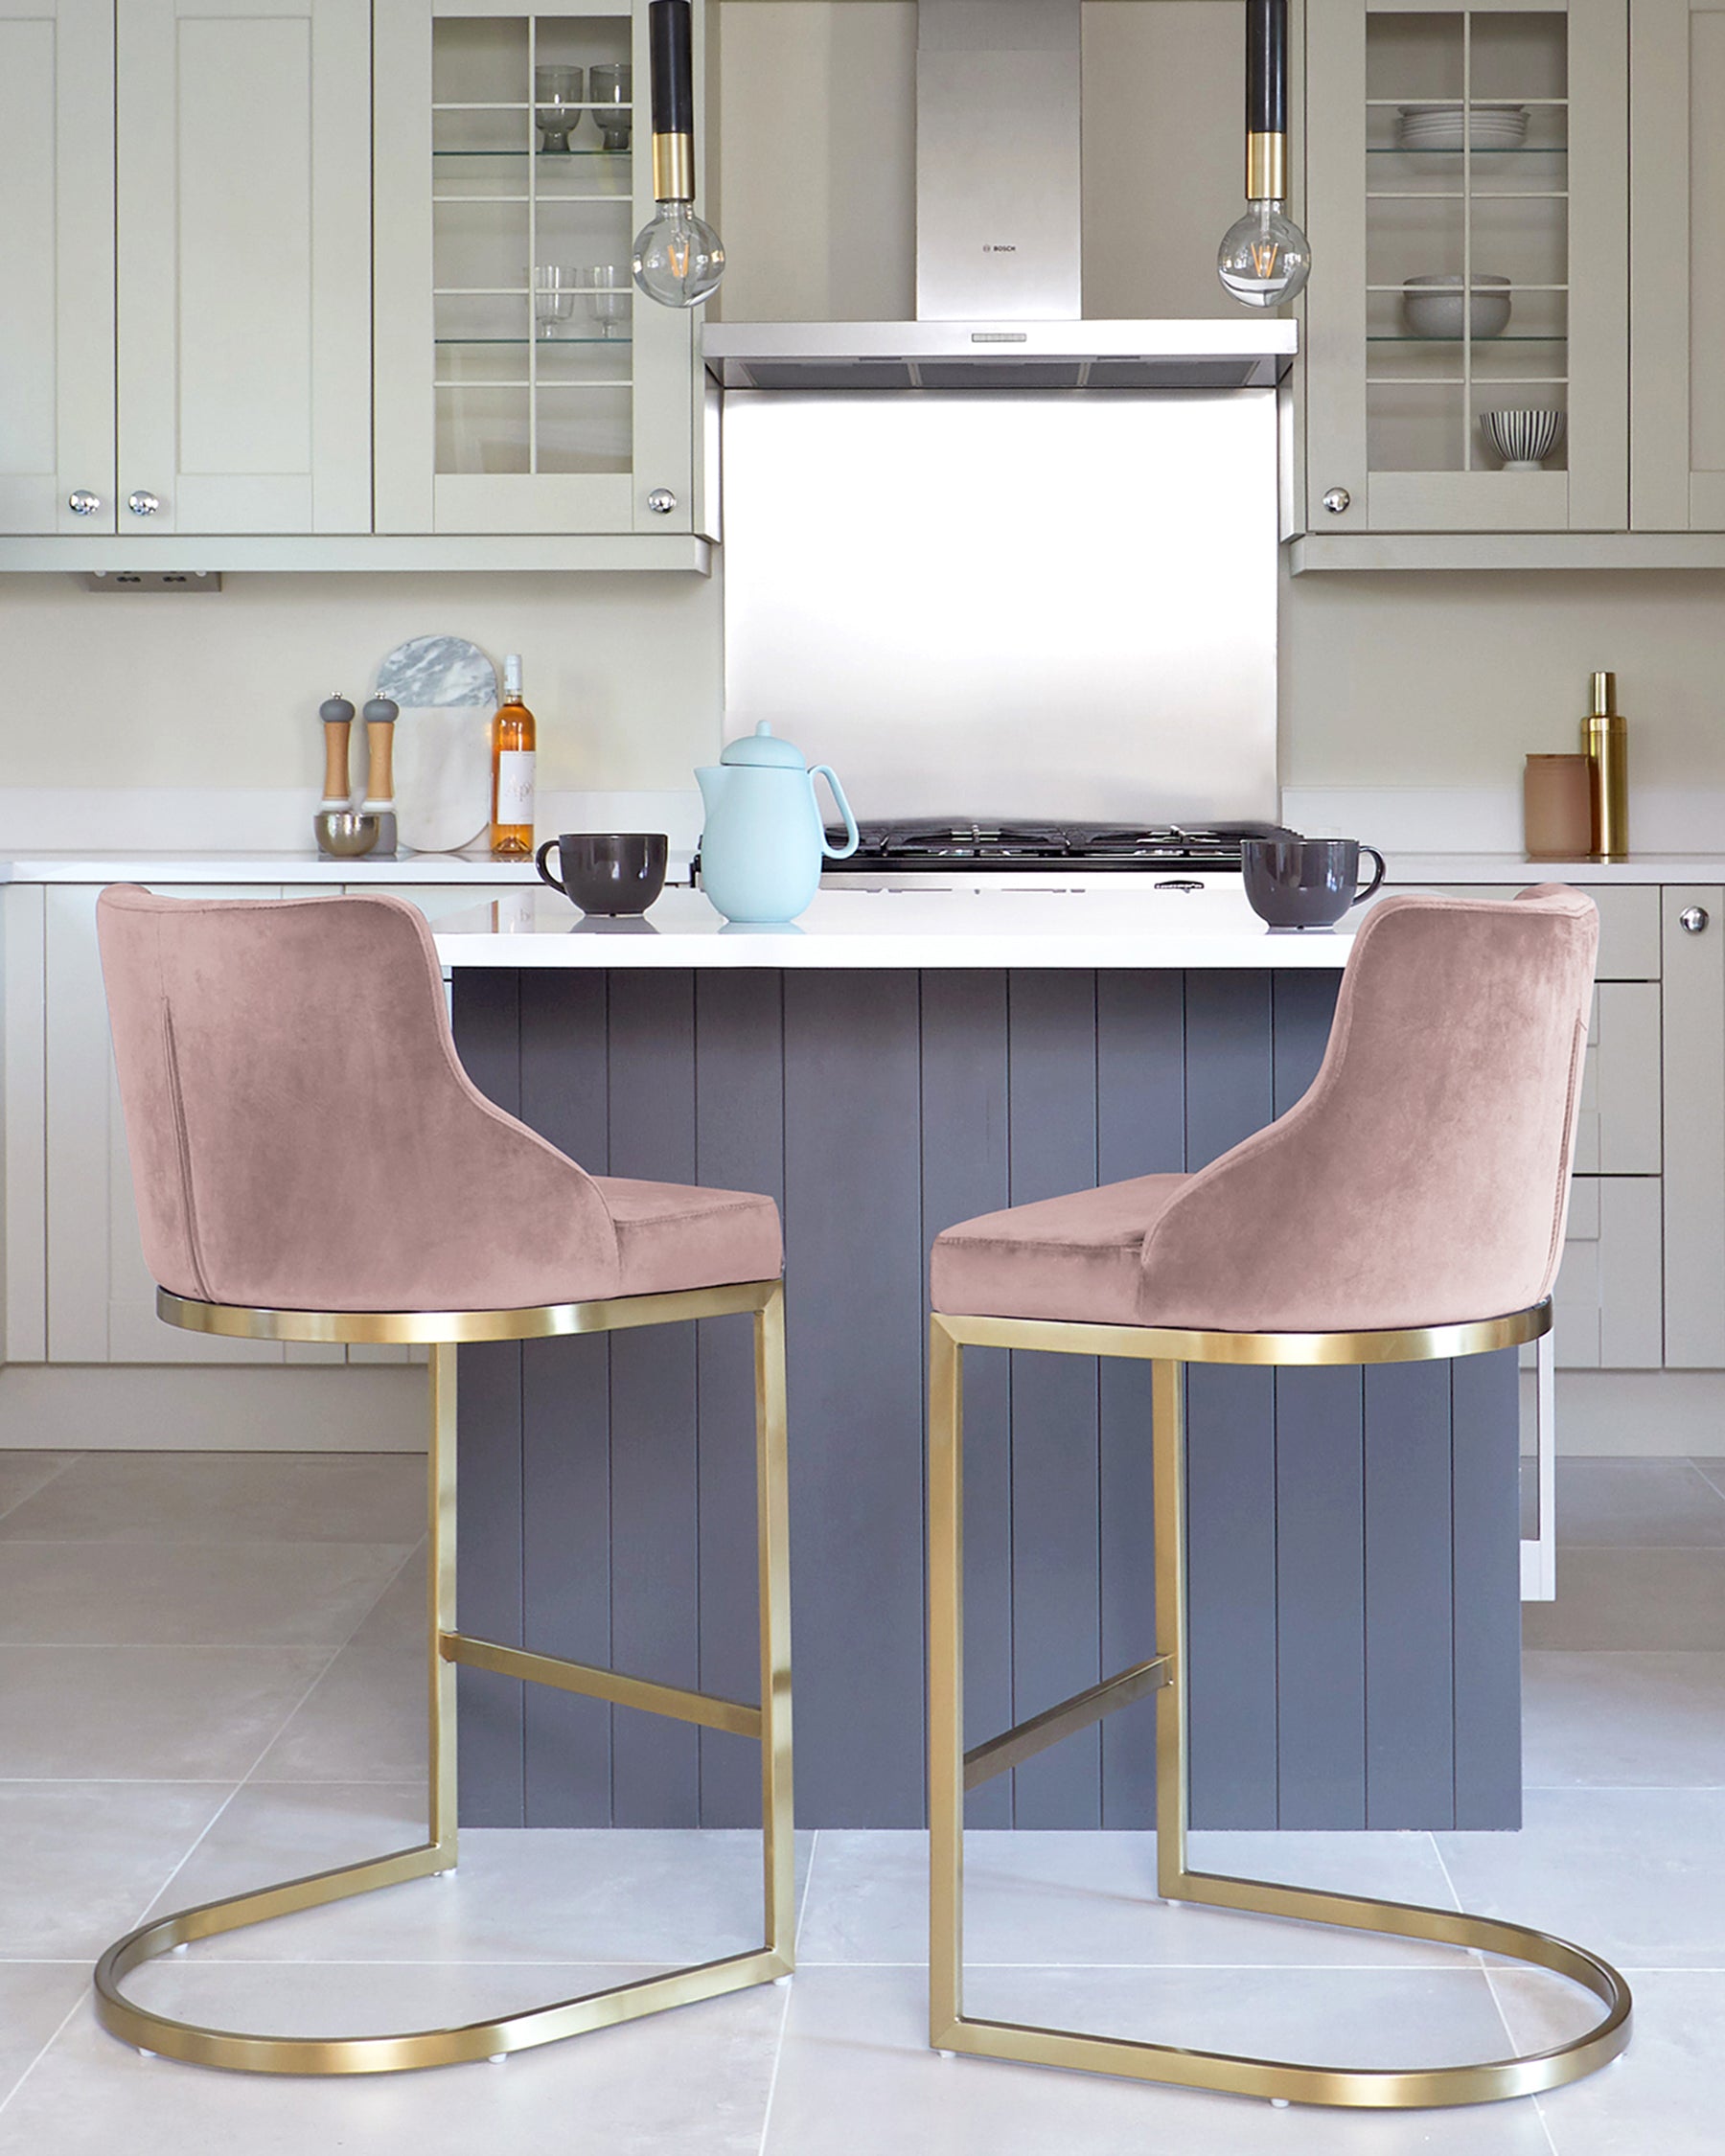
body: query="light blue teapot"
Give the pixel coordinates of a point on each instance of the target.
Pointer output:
(765, 840)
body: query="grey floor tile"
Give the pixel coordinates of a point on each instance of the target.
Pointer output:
(35, 1997)
(227, 1497)
(151, 1714)
(856, 2076)
(270, 1831)
(540, 1894)
(1638, 1720)
(1091, 1898)
(1664, 2097)
(84, 1859)
(1711, 1470)
(1633, 1873)
(689, 2083)
(1637, 1504)
(229, 1595)
(23, 1473)
(1632, 1599)
(365, 1719)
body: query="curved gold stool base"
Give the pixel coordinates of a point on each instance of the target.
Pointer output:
(953, 1771)
(769, 1724)
(550, 2023)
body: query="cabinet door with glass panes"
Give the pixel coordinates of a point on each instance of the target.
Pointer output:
(524, 385)
(1466, 335)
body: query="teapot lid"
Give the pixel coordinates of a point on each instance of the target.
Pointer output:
(764, 747)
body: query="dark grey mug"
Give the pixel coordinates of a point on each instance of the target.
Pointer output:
(1305, 883)
(607, 872)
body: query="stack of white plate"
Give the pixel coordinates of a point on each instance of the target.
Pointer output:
(1441, 127)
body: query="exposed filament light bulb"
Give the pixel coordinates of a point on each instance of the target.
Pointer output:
(679, 258)
(1264, 257)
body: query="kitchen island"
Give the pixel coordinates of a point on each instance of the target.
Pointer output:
(897, 1062)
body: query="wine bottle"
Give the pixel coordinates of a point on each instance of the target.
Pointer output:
(513, 741)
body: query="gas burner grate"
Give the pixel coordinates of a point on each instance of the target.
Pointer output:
(912, 843)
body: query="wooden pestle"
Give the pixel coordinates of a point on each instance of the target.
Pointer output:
(337, 715)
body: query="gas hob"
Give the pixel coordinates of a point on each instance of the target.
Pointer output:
(926, 852)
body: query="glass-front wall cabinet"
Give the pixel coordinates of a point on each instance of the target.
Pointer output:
(524, 384)
(1467, 344)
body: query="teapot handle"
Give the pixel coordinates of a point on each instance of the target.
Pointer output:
(849, 847)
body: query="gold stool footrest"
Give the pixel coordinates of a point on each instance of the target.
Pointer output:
(1380, 2088)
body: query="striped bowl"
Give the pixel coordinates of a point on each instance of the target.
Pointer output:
(1523, 435)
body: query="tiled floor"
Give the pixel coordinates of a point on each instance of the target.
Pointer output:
(264, 1718)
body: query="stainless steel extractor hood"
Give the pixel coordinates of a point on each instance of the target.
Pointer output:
(998, 301)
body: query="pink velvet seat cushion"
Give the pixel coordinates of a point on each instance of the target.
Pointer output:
(672, 1237)
(303, 1136)
(1423, 1180)
(1079, 1257)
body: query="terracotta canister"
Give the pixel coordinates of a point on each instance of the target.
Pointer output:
(1557, 808)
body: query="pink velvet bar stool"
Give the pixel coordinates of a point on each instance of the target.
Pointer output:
(312, 1164)
(1429, 1167)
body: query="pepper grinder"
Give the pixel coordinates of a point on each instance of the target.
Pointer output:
(337, 715)
(380, 715)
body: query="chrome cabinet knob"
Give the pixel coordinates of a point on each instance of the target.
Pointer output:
(1337, 501)
(661, 501)
(1692, 918)
(143, 504)
(83, 503)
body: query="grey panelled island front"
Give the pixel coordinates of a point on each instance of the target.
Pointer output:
(1354, 1537)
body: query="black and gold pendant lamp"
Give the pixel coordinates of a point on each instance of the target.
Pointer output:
(1265, 258)
(679, 258)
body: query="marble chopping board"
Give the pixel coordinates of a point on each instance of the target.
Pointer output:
(447, 689)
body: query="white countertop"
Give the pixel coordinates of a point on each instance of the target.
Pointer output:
(145, 867)
(1169, 930)
(156, 866)
(1518, 871)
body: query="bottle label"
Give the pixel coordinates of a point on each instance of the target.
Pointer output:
(515, 786)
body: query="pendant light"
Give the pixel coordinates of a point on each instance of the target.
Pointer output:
(1265, 258)
(679, 259)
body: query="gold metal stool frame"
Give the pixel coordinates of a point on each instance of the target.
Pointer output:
(953, 1771)
(769, 1723)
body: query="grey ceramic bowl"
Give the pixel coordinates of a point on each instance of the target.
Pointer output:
(344, 832)
(1432, 306)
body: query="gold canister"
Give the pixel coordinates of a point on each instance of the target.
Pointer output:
(1557, 808)
(1605, 737)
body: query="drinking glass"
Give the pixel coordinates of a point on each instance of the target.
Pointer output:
(609, 284)
(553, 296)
(557, 93)
(611, 85)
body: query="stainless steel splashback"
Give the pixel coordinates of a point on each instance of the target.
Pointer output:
(1009, 605)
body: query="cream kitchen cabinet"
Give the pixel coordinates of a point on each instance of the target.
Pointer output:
(77, 1287)
(185, 186)
(1693, 921)
(1608, 1307)
(56, 202)
(500, 407)
(1393, 435)
(1677, 316)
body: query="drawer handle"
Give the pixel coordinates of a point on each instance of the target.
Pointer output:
(1694, 919)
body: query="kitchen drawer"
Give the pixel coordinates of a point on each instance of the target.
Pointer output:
(1629, 935)
(1619, 1125)
(1609, 1302)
